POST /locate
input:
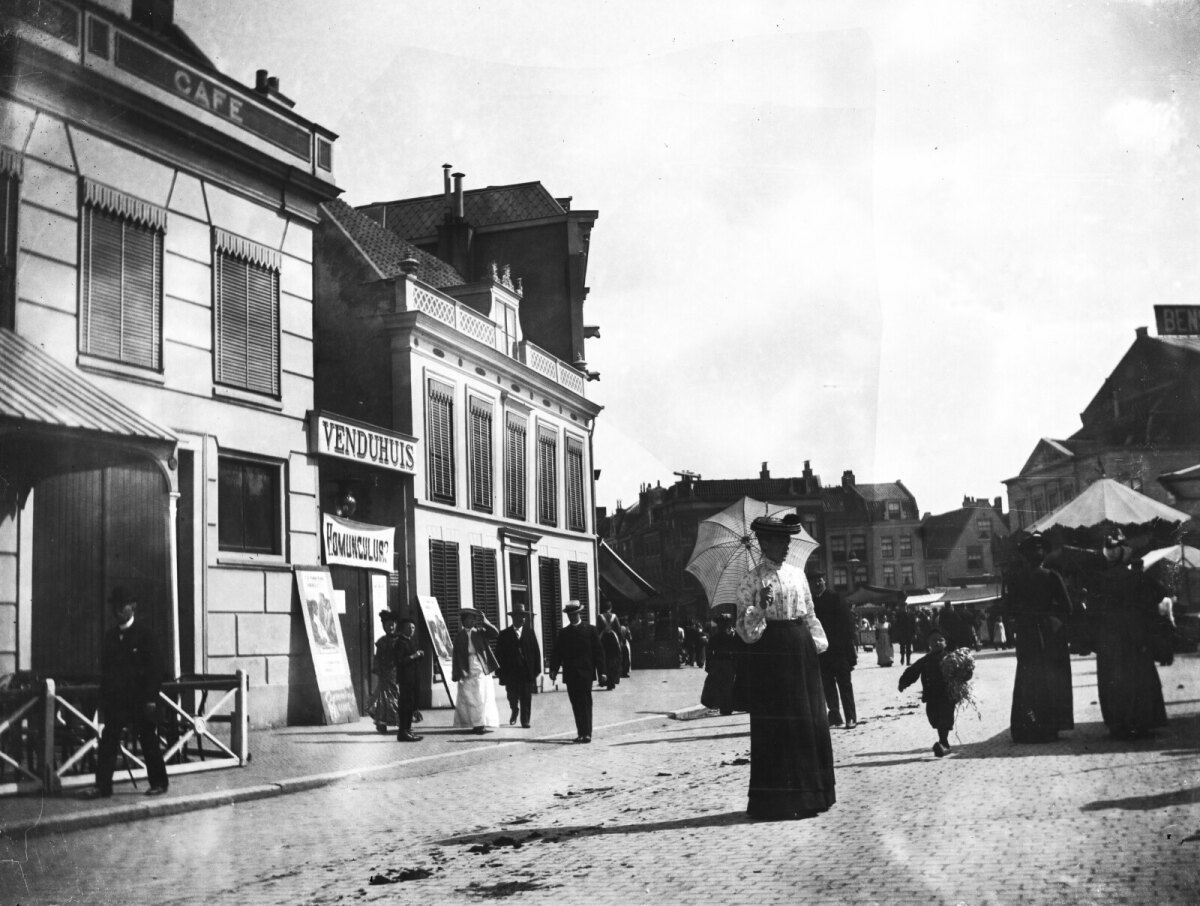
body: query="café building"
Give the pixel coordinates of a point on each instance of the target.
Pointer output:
(156, 350)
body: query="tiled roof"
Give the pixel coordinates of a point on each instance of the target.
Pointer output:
(888, 491)
(34, 387)
(418, 218)
(385, 250)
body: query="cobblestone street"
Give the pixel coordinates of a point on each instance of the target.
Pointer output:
(652, 812)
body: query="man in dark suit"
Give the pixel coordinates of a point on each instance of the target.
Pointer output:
(130, 677)
(408, 656)
(520, 659)
(838, 661)
(578, 653)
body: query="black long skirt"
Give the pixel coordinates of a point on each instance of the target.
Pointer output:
(1042, 697)
(791, 754)
(1130, 692)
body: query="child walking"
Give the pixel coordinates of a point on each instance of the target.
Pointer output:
(938, 706)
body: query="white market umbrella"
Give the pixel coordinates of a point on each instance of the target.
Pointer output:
(726, 549)
(1177, 554)
(1107, 500)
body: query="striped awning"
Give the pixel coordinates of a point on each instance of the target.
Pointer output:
(37, 389)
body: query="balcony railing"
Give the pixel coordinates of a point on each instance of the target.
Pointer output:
(467, 321)
(50, 732)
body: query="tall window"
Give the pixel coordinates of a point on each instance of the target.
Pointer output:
(840, 578)
(10, 185)
(893, 509)
(576, 519)
(508, 327)
(983, 527)
(515, 471)
(249, 507)
(889, 576)
(120, 294)
(906, 575)
(547, 486)
(439, 433)
(551, 595)
(484, 588)
(577, 584)
(246, 311)
(443, 581)
(858, 546)
(810, 525)
(933, 576)
(974, 556)
(480, 453)
(887, 548)
(837, 547)
(906, 548)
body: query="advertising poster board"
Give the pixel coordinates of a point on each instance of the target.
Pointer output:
(315, 587)
(439, 638)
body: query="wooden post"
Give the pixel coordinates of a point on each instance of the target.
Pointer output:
(239, 726)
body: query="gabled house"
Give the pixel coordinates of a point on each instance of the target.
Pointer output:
(871, 535)
(959, 545)
(1142, 424)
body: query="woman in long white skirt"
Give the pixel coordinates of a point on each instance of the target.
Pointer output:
(474, 667)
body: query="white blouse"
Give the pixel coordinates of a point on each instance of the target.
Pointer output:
(776, 591)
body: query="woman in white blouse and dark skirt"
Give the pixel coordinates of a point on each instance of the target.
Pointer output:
(791, 756)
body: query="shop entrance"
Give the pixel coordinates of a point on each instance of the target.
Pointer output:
(359, 627)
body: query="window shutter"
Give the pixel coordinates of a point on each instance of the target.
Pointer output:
(484, 588)
(480, 418)
(440, 415)
(246, 285)
(577, 583)
(551, 597)
(443, 581)
(575, 510)
(121, 305)
(515, 479)
(547, 476)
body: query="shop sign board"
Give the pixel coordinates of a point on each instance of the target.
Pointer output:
(439, 638)
(350, 543)
(367, 444)
(1177, 320)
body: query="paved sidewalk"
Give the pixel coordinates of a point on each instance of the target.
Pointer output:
(291, 759)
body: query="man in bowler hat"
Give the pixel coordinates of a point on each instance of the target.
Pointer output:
(578, 653)
(130, 677)
(408, 656)
(520, 659)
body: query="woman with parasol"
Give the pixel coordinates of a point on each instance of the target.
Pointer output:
(791, 755)
(1037, 600)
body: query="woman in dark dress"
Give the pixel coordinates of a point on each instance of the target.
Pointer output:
(721, 663)
(1037, 600)
(1126, 603)
(791, 754)
(609, 625)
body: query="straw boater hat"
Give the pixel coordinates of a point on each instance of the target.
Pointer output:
(573, 607)
(769, 525)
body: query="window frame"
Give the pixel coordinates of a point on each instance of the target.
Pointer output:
(440, 478)
(887, 547)
(516, 465)
(104, 209)
(547, 475)
(445, 581)
(906, 546)
(233, 254)
(278, 530)
(481, 460)
(575, 486)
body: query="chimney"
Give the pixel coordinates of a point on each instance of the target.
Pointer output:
(458, 195)
(999, 505)
(764, 474)
(848, 479)
(1141, 332)
(446, 188)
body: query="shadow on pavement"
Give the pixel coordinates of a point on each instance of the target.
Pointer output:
(1146, 803)
(485, 841)
(1181, 736)
(887, 764)
(658, 741)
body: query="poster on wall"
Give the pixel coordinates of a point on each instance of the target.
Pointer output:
(439, 637)
(325, 643)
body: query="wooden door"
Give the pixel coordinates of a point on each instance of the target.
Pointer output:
(358, 627)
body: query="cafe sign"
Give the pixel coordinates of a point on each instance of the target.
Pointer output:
(367, 444)
(350, 543)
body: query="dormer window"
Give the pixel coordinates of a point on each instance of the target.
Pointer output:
(507, 319)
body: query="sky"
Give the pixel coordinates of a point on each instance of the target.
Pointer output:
(906, 239)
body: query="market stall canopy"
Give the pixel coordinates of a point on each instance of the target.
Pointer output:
(922, 600)
(622, 577)
(1178, 554)
(874, 594)
(1107, 500)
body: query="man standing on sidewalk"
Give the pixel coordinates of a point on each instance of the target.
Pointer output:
(578, 653)
(130, 677)
(408, 659)
(839, 660)
(520, 659)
